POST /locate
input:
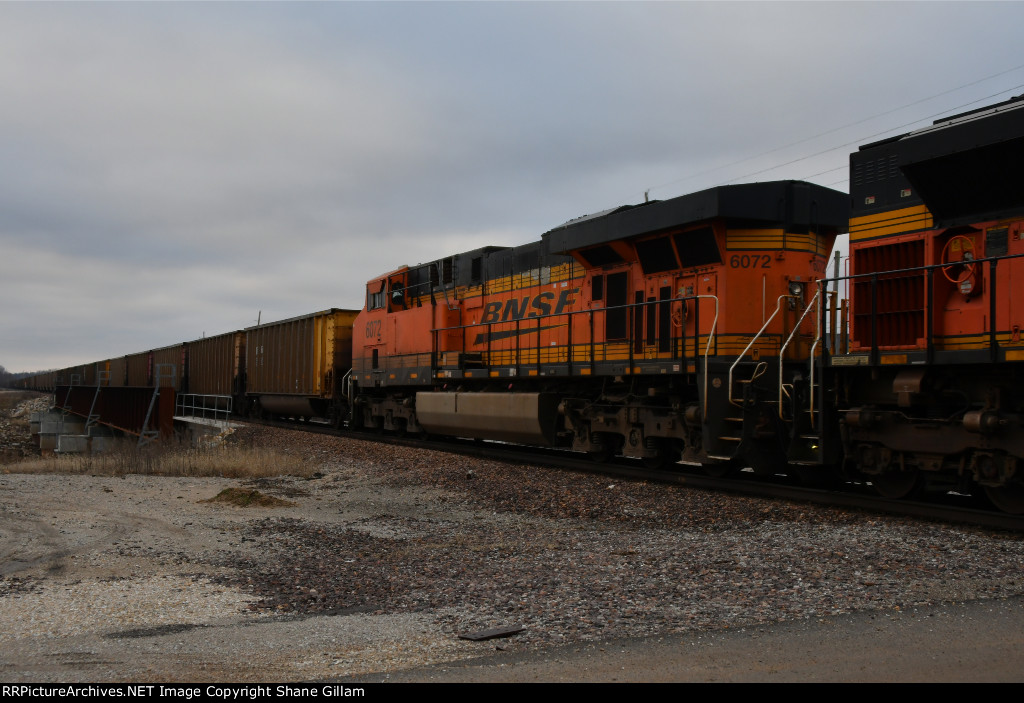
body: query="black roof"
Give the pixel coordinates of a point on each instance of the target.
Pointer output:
(964, 168)
(796, 206)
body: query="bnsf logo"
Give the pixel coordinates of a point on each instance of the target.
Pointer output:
(517, 309)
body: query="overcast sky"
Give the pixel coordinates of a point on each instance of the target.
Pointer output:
(174, 170)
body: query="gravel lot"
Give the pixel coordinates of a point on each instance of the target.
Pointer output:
(389, 554)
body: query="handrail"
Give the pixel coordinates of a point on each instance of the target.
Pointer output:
(817, 338)
(927, 272)
(568, 314)
(440, 278)
(208, 405)
(707, 350)
(778, 306)
(796, 329)
(346, 384)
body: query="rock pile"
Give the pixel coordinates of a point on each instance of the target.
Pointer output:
(15, 435)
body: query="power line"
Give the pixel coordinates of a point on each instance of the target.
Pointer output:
(861, 140)
(885, 132)
(846, 126)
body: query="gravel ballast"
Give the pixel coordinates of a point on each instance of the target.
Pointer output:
(391, 553)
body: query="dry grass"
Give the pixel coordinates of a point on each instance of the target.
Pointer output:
(172, 459)
(9, 399)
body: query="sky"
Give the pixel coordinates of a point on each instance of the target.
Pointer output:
(170, 171)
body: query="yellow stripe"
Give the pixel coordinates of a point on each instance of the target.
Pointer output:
(529, 279)
(890, 223)
(774, 239)
(891, 214)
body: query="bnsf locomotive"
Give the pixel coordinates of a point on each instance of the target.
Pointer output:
(659, 331)
(706, 329)
(931, 385)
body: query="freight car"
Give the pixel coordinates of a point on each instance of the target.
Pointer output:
(295, 367)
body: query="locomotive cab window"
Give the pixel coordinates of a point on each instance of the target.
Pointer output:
(397, 288)
(656, 255)
(697, 247)
(375, 299)
(442, 273)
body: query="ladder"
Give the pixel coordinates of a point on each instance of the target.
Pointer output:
(163, 371)
(102, 378)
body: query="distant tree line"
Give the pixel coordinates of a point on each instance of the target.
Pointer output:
(8, 379)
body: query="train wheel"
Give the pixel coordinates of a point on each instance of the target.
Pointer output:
(896, 484)
(604, 447)
(662, 459)
(1009, 498)
(763, 456)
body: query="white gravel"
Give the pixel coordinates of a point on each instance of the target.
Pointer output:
(390, 555)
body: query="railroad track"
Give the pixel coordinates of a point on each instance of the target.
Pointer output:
(938, 507)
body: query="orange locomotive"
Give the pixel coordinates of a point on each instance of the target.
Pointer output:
(931, 388)
(660, 331)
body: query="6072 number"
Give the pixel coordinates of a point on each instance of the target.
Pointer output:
(750, 261)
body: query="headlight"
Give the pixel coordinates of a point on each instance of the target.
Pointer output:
(796, 288)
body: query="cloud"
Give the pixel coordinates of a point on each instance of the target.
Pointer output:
(175, 168)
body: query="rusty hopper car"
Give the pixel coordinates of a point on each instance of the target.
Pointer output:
(82, 375)
(139, 367)
(167, 366)
(142, 367)
(117, 369)
(295, 367)
(216, 365)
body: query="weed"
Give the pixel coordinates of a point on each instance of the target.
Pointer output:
(172, 459)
